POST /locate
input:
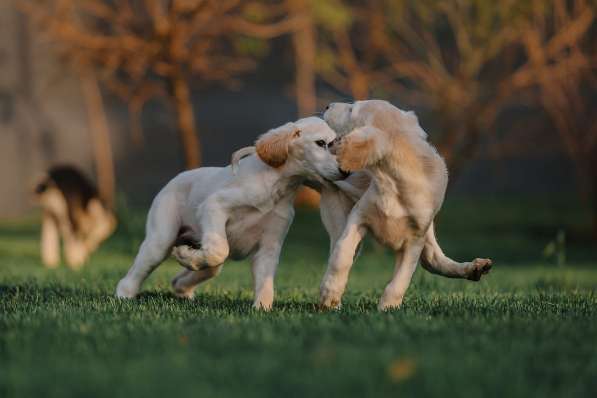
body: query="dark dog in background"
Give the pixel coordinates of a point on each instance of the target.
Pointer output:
(73, 211)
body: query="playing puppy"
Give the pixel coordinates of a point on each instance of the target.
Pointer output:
(210, 214)
(339, 197)
(408, 184)
(73, 211)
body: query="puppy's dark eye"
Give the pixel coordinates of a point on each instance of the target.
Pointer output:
(321, 143)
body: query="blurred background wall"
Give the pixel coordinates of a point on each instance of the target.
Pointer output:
(135, 83)
(42, 118)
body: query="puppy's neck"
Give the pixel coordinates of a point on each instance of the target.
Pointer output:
(282, 181)
(291, 175)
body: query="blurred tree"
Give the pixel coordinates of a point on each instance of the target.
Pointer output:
(454, 58)
(561, 46)
(98, 125)
(345, 59)
(466, 62)
(142, 49)
(304, 46)
(457, 59)
(100, 136)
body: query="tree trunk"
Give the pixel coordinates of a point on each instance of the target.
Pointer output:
(594, 221)
(100, 137)
(135, 113)
(594, 198)
(359, 86)
(186, 122)
(303, 41)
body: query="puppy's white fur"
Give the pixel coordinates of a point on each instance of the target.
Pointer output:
(234, 215)
(408, 181)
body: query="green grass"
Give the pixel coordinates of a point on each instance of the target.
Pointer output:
(528, 329)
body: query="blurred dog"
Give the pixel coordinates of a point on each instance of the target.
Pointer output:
(212, 213)
(408, 180)
(73, 211)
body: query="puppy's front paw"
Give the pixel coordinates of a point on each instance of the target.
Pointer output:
(330, 303)
(188, 257)
(389, 303)
(182, 293)
(179, 288)
(262, 305)
(126, 289)
(480, 267)
(330, 299)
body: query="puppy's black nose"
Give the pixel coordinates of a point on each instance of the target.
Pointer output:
(327, 107)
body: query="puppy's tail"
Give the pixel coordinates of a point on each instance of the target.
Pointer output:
(238, 155)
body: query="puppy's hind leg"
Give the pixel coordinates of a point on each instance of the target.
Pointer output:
(186, 281)
(162, 228)
(435, 261)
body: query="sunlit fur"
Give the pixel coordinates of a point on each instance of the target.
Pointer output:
(210, 214)
(359, 149)
(406, 190)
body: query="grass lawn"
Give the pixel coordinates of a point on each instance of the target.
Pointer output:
(528, 329)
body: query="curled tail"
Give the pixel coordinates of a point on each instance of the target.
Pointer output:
(238, 155)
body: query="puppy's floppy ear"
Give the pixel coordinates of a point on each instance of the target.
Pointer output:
(272, 147)
(360, 148)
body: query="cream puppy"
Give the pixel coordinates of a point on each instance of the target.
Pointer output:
(407, 188)
(210, 214)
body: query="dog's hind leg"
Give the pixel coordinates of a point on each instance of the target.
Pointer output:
(162, 228)
(186, 281)
(435, 261)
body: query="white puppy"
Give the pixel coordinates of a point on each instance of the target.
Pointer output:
(408, 184)
(215, 213)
